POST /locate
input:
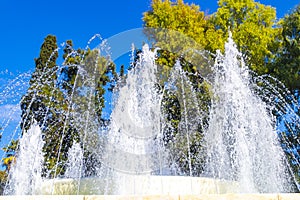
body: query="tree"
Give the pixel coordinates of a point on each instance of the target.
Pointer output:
(253, 26)
(183, 18)
(286, 64)
(179, 30)
(182, 33)
(41, 93)
(67, 102)
(254, 30)
(7, 161)
(43, 101)
(85, 75)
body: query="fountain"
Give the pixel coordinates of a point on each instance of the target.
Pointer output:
(241, 140)
(239, 151)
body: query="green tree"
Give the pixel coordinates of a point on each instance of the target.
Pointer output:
(67, 102)
(286, 64)
(182, 18)
(39, 99)
(43, 101)
(86, 74)
(178, 27)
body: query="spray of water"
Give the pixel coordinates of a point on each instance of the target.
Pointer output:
(242, 144)
(132, 146)
(25, 176)
(74, 165)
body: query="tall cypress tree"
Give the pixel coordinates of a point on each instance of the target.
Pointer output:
(44, 103)
(85, 75)
(41, 91)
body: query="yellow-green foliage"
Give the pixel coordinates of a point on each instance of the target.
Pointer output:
(178, 16)
(184, 27)
(253, 26)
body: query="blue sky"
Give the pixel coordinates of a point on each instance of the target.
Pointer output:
(24, 24)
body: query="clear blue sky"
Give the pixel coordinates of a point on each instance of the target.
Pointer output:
(24, 24)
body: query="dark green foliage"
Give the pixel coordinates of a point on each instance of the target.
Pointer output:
(122, 71)
(286, 65)
(185, 110)
(42, 90)
(86, 74)
(44, 104)
(68, 109)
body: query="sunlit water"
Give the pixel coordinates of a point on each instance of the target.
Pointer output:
(241, 140)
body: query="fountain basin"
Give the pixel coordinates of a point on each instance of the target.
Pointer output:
(139, 185)
(280, 196)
